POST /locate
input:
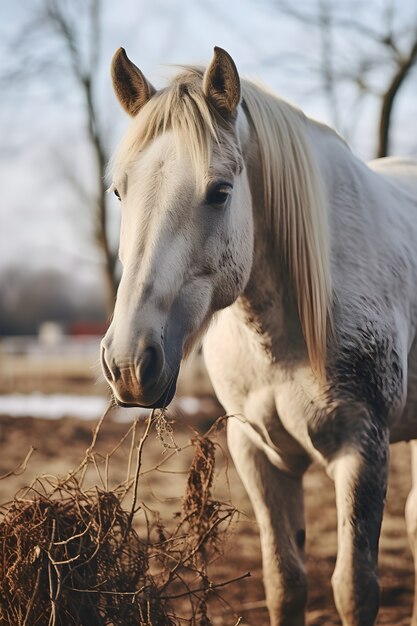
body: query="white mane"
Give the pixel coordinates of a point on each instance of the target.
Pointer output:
(295, 208)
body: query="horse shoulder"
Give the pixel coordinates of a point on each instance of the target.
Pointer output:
(368, 363)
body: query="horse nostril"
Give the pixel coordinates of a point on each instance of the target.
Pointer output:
(148, 370)
(111, 374)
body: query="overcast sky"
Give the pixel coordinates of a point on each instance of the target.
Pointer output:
(42, 222)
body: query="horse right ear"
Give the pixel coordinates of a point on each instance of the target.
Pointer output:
(221, 83)
(131, 87)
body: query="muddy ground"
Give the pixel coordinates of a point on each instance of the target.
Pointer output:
(60, 445)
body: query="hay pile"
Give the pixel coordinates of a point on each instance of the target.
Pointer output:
(73, 556)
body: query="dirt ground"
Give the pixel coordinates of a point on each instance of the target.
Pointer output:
(60, 445)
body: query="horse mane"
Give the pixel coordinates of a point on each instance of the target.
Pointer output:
(294, 202)
(295, 207)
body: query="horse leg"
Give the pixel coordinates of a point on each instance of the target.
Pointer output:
(411, 522)
(360, 476)
(277, 500)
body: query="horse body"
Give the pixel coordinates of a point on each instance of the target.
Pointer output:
(278, 408)
(311, 281)
(369, 265)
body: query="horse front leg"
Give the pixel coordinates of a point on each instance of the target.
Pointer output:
(360, 476)
(277, 500)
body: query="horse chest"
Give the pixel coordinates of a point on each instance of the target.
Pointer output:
(274, 412)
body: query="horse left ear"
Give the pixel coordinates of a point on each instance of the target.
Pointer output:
(221, 83)
(131, 87)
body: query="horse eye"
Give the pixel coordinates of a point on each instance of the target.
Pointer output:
(219, 194)
(117, 194)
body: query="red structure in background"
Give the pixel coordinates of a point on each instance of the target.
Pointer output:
(87, 328)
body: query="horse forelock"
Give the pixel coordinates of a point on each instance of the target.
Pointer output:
(182, 108)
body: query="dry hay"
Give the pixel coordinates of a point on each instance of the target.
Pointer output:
(72, 559)
(71, 555)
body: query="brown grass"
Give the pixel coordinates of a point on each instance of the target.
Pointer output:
(81, 556)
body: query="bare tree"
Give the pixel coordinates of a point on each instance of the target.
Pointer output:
(61, 36)
(371, 47)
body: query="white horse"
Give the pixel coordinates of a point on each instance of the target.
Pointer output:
(248, 223)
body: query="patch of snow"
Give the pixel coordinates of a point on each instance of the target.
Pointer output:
(56, 406)
(188, 405)
(52, 406)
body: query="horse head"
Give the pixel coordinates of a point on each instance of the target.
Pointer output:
(186, 239)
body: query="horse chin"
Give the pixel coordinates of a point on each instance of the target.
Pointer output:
(163, 401)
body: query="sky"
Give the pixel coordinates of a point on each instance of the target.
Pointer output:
(43, 221)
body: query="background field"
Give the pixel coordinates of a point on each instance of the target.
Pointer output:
(60, 445)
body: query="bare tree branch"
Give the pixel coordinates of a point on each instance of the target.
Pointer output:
(389, 97)
(389, 46)
(76, 30)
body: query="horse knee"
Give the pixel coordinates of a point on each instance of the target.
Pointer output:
(356, 595)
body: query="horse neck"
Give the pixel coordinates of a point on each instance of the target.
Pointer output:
(268, 308)
(268, 305)
(269, 302)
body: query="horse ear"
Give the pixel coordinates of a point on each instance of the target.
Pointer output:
(221, 83)
(131, 87)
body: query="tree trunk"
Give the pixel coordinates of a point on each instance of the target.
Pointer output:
(101, 236)
(388, 101)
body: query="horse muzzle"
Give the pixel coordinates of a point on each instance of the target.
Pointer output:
(140, 382)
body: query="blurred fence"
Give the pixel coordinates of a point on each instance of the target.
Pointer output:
(30, 364)
(71, 365)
